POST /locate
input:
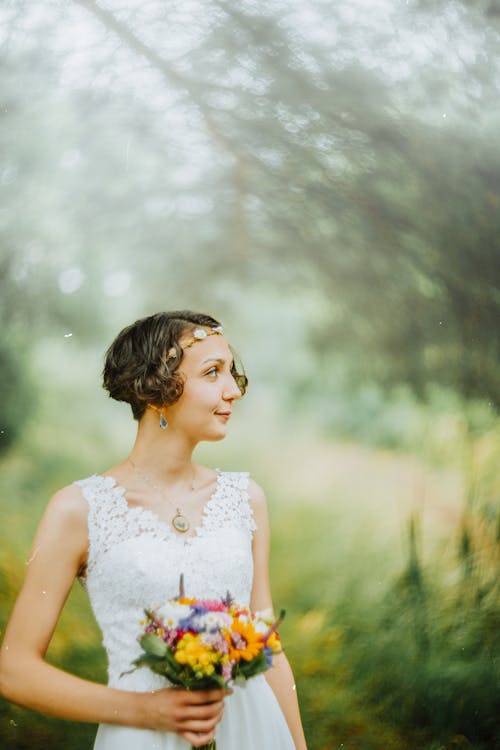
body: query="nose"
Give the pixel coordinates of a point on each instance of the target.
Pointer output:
(231, 390)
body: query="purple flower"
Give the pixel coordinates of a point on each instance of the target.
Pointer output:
(227, 670)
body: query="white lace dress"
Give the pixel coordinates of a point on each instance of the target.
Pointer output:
(135, 561)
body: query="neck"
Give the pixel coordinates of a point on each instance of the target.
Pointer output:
(163, 454)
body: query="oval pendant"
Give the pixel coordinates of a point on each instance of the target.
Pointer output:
(180, 522)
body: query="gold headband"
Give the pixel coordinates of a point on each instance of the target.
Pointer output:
(198, 335)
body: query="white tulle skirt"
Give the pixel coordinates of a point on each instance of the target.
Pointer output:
(252, 720)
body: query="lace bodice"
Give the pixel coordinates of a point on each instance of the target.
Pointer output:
(135, 561)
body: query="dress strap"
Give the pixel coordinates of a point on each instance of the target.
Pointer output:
(230, 506)
(106, 513)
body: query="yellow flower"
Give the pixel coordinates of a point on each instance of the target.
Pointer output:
(274, 643)
(244, 642)
(198, 656)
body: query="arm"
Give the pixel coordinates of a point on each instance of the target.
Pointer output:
(280, 675)
(58, 553)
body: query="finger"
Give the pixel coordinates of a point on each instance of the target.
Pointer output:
(186, 721)
(201, 710)
(198, 725)
(206, 696)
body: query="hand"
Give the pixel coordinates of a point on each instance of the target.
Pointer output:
(192, 714)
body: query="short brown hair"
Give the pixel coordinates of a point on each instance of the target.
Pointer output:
(136, 369)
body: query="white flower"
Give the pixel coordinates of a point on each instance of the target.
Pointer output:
(267, 615)
(261, 626)
(214, 621)
(172, 613)
(264, 620)
(243, 617)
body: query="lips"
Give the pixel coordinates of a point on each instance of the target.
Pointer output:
(226, 414)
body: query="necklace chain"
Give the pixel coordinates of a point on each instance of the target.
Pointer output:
(179, 521)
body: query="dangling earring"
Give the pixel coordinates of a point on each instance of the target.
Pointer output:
(163, 421)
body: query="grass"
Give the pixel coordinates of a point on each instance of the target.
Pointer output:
(387, 567)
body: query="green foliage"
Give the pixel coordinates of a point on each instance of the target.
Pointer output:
(433, 270)
(246, 670)
(389, 651)
(421, 657)
(19, 393)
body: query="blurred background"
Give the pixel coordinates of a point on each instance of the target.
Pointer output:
(325, 179)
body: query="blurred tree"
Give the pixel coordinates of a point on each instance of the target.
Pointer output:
(350, 153)
(397, 215)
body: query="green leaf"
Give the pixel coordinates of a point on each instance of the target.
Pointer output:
(154, 645)
(251, 668)
(204, 683)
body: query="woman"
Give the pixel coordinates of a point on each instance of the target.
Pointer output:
(129, 533)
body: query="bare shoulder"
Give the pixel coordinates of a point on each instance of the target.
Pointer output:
(256, 493)
(67, 507)
(62, 533)
(258, 504)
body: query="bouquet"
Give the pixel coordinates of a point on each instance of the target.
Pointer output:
(205, 643)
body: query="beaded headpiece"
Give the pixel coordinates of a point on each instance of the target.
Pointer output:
(198, 335)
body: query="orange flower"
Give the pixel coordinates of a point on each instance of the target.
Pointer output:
(244, 643)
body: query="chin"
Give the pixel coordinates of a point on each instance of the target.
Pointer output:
(213, 436)
(216, 438)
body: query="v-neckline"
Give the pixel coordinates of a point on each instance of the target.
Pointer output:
(140, 510)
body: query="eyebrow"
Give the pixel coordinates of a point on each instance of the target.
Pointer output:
(216, 359)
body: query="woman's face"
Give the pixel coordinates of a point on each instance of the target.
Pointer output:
(204, 409)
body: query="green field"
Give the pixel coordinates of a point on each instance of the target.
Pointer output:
(386, 564)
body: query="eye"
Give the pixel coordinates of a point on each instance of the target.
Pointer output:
(212, 372)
